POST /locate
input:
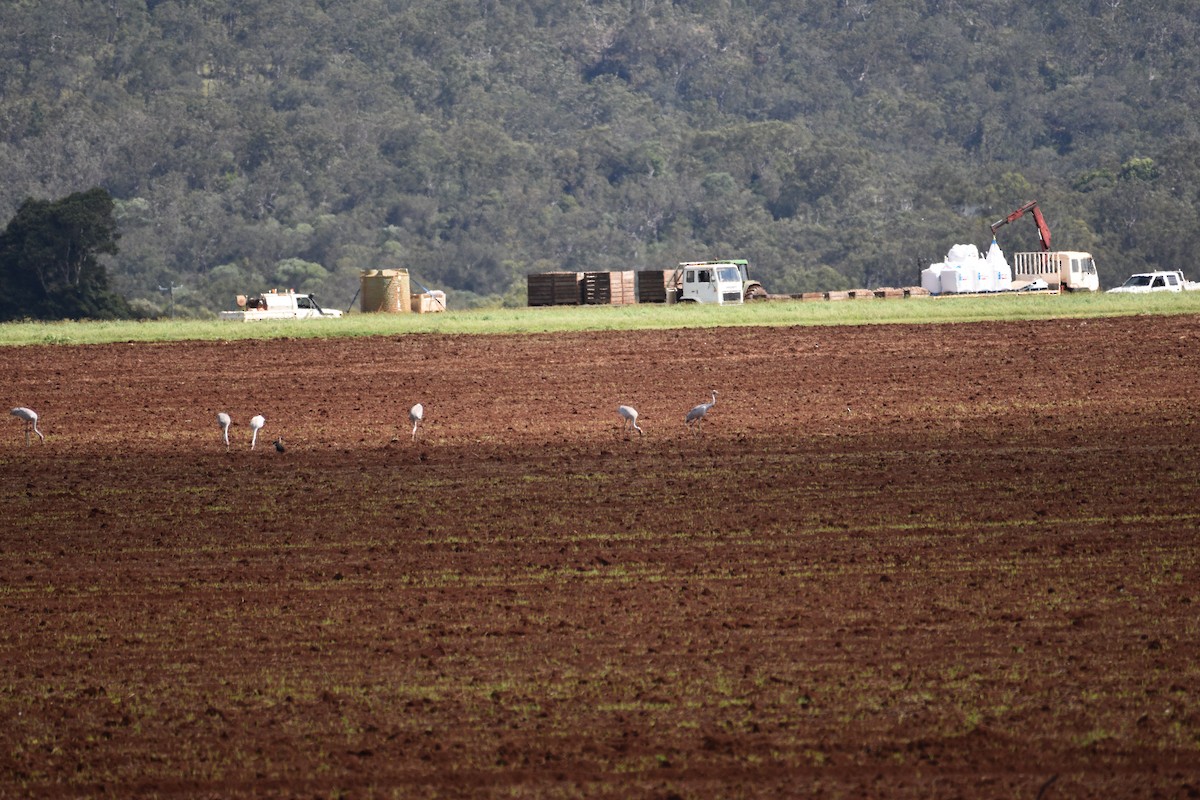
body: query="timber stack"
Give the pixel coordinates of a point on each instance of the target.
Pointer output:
(554, 288)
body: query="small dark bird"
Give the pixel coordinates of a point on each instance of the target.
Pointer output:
(279, 444)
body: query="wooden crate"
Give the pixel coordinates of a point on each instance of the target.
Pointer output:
(654, 285)
(862, 294)
(837, 295)
(553, 288)
(608, 288)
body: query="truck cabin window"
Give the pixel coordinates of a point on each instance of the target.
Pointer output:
(703, 276)
(729, 274)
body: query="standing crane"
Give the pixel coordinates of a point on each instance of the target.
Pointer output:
(256, 423)
(415, 415)
(30, 416)
(696, 415)
(1031, 207)
(224, 421)
(630, 415)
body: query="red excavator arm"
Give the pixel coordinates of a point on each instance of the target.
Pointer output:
(1043, 228)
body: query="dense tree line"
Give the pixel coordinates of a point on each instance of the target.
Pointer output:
(50, 260)
(835, 144)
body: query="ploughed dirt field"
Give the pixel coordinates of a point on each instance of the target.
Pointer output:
(904, 561)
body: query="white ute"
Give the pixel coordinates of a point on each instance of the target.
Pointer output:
(278, 305)
(1160, 281)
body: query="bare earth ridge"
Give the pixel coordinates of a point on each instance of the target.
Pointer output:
(909, 561)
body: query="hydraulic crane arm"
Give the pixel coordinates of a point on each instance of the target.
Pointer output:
(1031, 206)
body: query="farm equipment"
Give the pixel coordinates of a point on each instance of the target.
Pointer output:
(278, 305)
(1062, 270)
(1038, 219)
(720, 282)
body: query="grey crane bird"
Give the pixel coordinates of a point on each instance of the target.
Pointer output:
(256, 423)
(416, 415)
(630, 415)
(224, 421)
(696, 415)
(30, 416)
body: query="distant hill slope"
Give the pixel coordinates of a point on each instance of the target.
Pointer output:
(833, 144)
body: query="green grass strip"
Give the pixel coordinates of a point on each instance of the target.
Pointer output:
(557, 319)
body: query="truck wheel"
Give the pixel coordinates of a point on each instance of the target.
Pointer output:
(755, 291)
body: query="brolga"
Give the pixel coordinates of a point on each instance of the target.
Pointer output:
(416, 415)
(630, 415)
(224, 421)
(696, 415)
(256, 423)
(30, 416)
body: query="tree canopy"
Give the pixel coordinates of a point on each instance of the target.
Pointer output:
(834, 144)
(49, 260)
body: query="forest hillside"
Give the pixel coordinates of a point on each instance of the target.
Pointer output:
(834, 143)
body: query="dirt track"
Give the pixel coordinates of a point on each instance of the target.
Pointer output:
(938, 561)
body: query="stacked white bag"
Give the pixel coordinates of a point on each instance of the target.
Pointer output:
(964, 270)
(1000, 270)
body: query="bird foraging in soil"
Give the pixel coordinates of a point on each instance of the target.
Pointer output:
(278, 444)
(630, 415)
(30, 416)
(224, 421)
(416, 415)
(256, 423)
(696, 415)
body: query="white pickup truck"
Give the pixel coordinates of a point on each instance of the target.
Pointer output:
(278, 305)
(1160, 281)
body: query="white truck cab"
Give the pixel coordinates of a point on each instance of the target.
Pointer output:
(718, 282)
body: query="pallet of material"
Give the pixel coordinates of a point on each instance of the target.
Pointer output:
(888, 292)
(652, 285)
(837, 295)
(862, 294)
(608, 288)
(429, 302)
(553, 288)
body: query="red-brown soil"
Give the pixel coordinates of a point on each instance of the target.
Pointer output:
(905, 561)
